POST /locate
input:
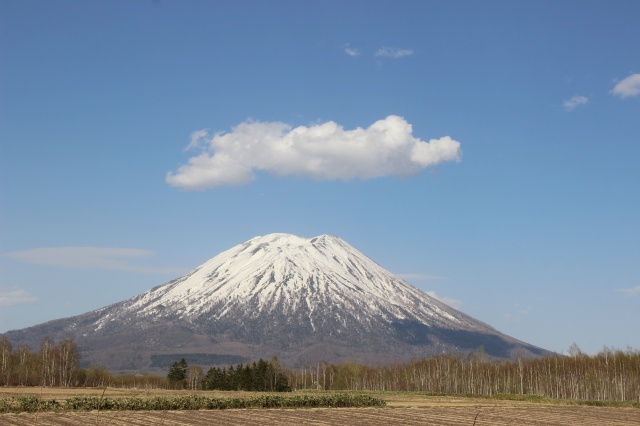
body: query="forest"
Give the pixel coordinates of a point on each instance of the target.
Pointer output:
(608, 375)
(611, 374)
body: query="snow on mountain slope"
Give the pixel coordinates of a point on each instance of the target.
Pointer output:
(287, 273)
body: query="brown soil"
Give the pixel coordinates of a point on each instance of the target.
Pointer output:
(403, 408)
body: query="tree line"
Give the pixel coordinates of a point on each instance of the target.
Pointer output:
(608, 375)
(53, 365)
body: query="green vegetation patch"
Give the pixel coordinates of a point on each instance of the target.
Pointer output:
(545, 400)
(188, 402)
(523, 397)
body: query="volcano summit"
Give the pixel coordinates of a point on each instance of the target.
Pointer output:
(302, 299)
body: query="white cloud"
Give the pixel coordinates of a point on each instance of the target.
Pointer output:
(15, 297)
(454, 303)
(391, 52)
(351, 51)
(570, 104)
(633, 291)
(630, 86)
(323, 151)
(118, 259)
(196, 139)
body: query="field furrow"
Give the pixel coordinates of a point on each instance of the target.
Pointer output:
(444, 416)
(412, 409)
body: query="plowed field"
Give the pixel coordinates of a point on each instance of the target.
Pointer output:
(403, 409)
(445, 416)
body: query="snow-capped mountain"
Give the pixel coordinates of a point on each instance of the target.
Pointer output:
(302, 299)
(321, 280)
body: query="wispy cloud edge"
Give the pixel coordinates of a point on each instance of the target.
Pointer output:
(351, 51)
(571, 104)
(101, 258)
(627, 87)
(392, 52)
(631, 292)
(454, 303)
(16, 297)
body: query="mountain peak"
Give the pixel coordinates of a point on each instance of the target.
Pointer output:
(301, 298)
(281, 239)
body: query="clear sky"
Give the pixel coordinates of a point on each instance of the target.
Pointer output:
(488, 152)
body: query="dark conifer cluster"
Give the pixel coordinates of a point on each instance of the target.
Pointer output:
(261, 376)
(178, 371)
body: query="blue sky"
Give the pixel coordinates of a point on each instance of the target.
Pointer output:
(486, 151)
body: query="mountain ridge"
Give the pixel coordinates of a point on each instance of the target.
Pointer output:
(300, 298)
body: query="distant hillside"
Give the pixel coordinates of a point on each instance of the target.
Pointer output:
(303, 299)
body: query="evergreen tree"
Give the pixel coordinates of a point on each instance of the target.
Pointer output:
(178, 371)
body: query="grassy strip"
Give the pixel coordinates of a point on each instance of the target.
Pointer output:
(32, 404)
(545, 400)
(536, 399)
